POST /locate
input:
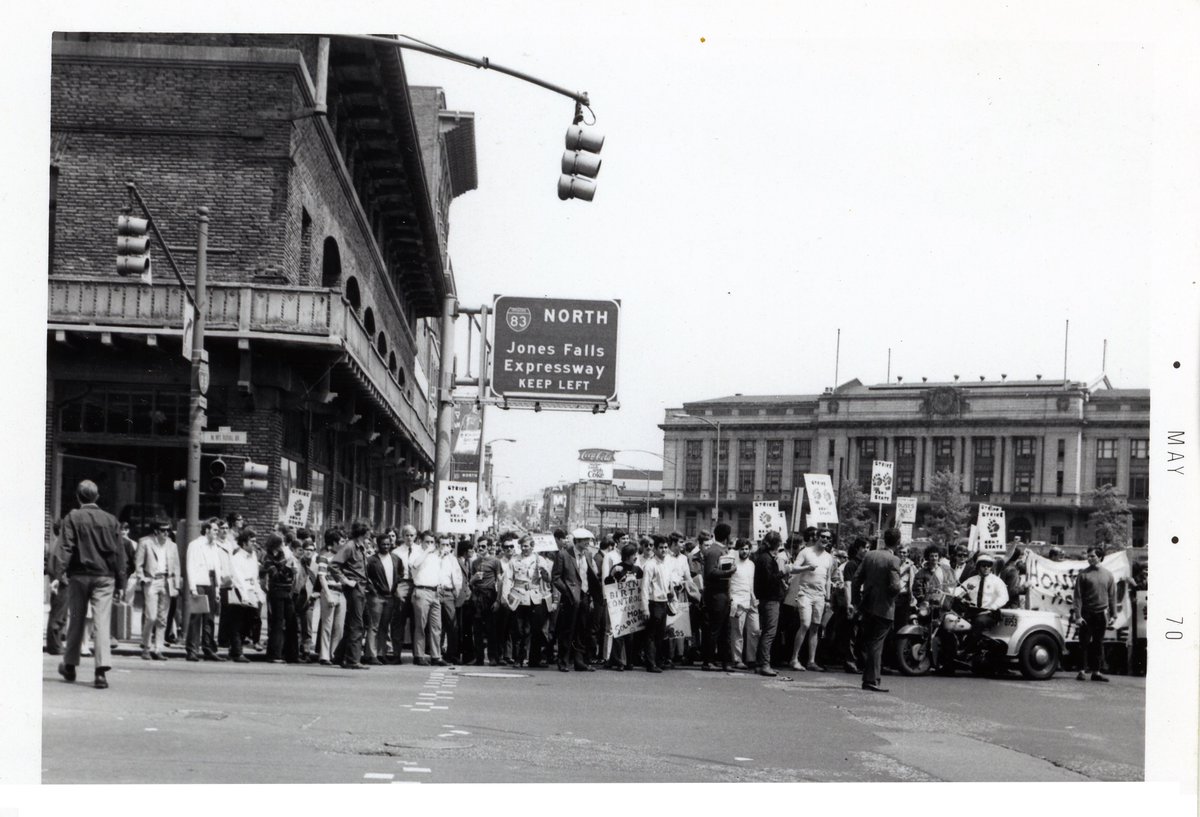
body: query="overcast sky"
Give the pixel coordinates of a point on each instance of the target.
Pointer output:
(954, 191)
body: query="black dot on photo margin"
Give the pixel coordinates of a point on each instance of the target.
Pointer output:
(1174, 540)
(1176, 364)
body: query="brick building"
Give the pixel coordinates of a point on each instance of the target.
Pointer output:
(329, 182)
(1038, 448)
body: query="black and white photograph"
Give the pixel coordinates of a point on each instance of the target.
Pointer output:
(673, 393)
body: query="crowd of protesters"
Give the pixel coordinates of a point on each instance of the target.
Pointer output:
(358, 596)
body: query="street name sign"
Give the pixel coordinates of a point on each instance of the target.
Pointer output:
(555, 349)
(223, 436)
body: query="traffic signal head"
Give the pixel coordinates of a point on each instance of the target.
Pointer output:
(133, 247)
(216, 475)
(580, 164)
(254, 477)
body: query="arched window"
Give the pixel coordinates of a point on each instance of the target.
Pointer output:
(392, 363)
(400, 376)
(352, 293)
(381, 345)
(331, 265)
(369, 321)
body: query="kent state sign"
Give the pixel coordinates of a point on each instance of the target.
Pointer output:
(555, 348)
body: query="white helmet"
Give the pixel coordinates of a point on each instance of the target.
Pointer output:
(582, 533)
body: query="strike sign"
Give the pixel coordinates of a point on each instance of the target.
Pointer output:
(881, 482)
(456, 508)
(822, 503)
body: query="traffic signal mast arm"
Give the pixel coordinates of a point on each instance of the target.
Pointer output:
(580, 97)
(187, 290)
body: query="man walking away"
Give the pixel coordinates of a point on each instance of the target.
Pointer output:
(878, 581)
(93, 563)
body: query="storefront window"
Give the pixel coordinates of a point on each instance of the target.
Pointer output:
(316, 513)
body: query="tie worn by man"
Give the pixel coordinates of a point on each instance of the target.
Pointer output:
(92, 565)
(878, 582)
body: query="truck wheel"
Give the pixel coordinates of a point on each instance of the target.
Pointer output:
(1039, 656)
(912, 655)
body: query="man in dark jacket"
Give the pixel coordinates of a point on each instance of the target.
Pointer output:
(384, 573)
(573, 577)
(92, 566)
(878, 583)
(769, 590)
(718, 568)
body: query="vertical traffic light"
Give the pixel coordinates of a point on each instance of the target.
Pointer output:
(133, 247)
(580, 164)
(216, 475)
(254, 477)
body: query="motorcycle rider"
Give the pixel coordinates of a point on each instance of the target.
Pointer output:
(984, 594)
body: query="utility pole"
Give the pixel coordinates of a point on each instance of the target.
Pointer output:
(199, 383)
(445, 418)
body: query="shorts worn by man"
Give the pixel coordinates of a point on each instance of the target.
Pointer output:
(93, 563)
(813, 568)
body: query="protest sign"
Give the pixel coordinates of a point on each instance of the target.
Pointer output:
(906, 533)
(1052, 587)
(990, 525)
(456, 512)
(544, 543)
(767, 518)
(680, 624)
(906, 509)
(881, 481)
(625, 614)
(822, 503)
(973, 539)
(296, 512)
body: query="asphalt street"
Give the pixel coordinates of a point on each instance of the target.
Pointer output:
(268, 723)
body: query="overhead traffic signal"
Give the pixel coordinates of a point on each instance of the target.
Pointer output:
(580, 164)
(133, 247)
(254, 477)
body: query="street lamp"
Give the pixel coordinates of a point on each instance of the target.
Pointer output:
(717, 484)
(486, 454)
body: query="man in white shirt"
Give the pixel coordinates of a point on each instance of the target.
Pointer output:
(204, 575)
(814, 565)
(402, 609)
(656, 596)
(156, 567)
(451, 588)
(743, 608)
(427, 608)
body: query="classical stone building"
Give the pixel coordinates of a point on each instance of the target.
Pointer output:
(329, 182)
(1038, 448)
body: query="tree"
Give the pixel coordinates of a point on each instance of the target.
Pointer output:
(946, 519)
(1111, 521)
(854, 515)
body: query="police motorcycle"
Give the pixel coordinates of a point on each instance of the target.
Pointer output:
(1032, 641)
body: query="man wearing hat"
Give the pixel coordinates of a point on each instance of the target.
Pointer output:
(573, 576)
(986, 594)
(156, 567)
